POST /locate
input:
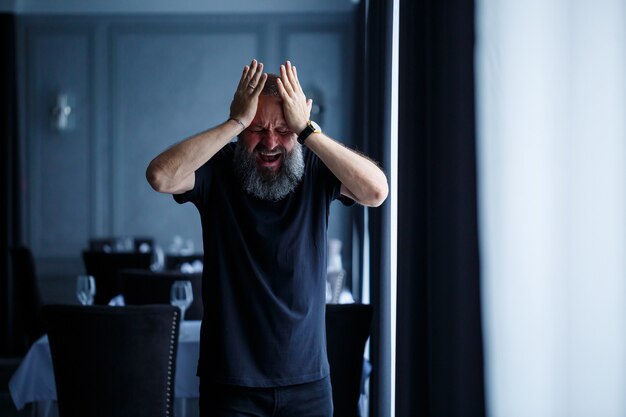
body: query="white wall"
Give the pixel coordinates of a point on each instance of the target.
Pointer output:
(551, 86)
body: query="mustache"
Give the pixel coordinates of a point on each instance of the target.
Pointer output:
(260, 148)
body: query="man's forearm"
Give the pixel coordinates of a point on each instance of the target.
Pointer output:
(172, 167)
(364, 180)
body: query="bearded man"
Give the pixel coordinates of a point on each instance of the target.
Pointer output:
(264, 203)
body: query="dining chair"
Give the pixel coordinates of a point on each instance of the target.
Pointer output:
(347, 330)
(153, 287)
(105, 268)
(113, 361)
(27, 304)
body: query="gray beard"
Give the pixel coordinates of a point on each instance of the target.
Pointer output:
(266, 184)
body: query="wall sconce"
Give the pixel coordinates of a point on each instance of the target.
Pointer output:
(60, 113)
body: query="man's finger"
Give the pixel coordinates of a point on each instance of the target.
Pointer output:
(260, 85)
(254, 82)
(252, 71)
(285, 80)
(290, 74)
(281, 90)
(295, 75)
(244, 74)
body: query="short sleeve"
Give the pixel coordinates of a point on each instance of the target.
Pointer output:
(201, 184)
(331, 183)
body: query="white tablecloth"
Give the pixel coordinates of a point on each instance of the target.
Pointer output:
(33, 381)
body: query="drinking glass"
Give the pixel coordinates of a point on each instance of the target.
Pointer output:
(85, 289)
(181, 296)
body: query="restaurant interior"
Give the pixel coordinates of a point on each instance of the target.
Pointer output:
(490, 282)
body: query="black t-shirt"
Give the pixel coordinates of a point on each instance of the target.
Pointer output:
(264, 276)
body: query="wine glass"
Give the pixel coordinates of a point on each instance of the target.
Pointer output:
(85, 289)
(181, 296)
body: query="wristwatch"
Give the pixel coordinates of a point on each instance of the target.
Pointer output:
(311, 127)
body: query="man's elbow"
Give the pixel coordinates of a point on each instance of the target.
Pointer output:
(156, 178)
(379, 195)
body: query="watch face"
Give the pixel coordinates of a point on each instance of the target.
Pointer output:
(317, 127)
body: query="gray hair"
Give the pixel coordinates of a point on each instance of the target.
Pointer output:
(267, 185)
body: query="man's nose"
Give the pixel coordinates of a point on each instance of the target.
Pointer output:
(270, 140)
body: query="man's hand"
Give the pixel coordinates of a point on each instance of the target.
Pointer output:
(296, 107)
(246, 100)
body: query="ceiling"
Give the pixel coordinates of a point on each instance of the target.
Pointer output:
(168, 6)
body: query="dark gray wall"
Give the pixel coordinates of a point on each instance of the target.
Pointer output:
(137, 85)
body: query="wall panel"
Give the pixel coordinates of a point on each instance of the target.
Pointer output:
(58, 162)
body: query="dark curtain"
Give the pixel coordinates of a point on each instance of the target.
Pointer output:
(376, 94)
(8, 177)
(439, 336)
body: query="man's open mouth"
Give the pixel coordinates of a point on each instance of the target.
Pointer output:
(269, 156)
(269, 159)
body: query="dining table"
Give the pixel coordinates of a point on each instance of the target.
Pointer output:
(33, 381)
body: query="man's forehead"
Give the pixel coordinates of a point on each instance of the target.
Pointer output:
(269, 110)
(270, 101)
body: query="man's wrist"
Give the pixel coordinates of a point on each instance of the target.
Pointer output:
(238, 123)
(301, 128)
(310, 128)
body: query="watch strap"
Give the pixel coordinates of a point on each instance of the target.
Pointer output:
(305, 133)
(311, 127)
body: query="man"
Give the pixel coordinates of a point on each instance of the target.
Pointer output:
(264, 204)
